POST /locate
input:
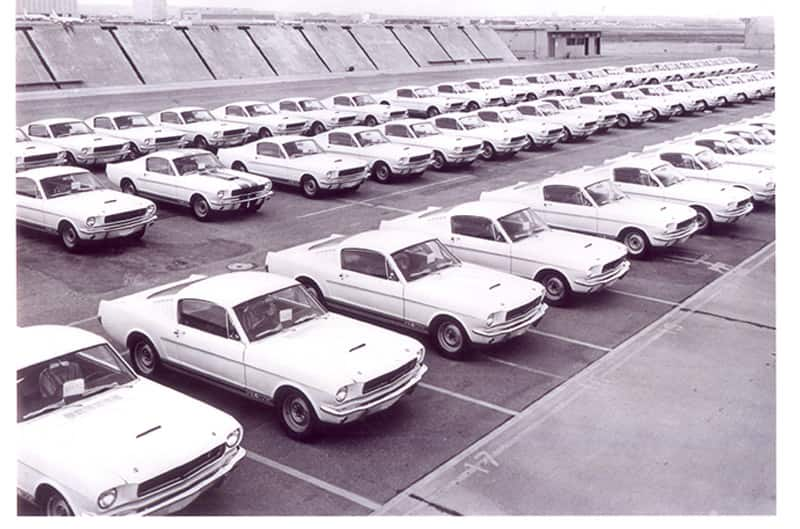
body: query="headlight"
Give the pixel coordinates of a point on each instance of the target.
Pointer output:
(421, 354)
(220, 194)
(216, 134)
(233, 438)
(341, 394)
(19, 160)
(671, 226)
(85, 150)
(107, 498)
(770, 185)
(330, 174)
(595, 270)
(404, 159)
(91, 221)
(151, 209)
(494, 318)
(148, 141)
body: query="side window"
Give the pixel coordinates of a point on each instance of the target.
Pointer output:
(27, 188)
(446, 89)
(673, 158)
(266, 148)
(399, 131)
(288, 105)
(565, 195)
(365, 262)
(626, 175)
(446, 123)
(342, 100)
(159, 165)
(103, 123)
(205, 316)
(233, 110)
(505, 81)
(473, 84)
(341, 138)
(38, 131)
(405, 92)
(587, 100)
(617, 95)
(488, 116)
(473, 226)
(688, 162)
(170, 117)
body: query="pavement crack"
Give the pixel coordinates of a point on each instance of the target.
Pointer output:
(728, 318)
(441, 508)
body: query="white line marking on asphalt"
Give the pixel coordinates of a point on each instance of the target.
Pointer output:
(324, 485)
(524, 368)
(467, 398)
(570, 340)
(326, 210)
(84, 320)
(381, 206)
(424, 186)
(646, 298)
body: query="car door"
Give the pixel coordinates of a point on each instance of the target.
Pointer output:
(267, 160)
(205, 340)
(158, 179)
(30, 203)
(566, 206)
(479, 240)
(344, 143)
(366, 281)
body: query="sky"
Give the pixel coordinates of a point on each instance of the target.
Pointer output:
(477, 8)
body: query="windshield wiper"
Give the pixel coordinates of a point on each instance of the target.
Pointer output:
(99, 389)
(50, 407)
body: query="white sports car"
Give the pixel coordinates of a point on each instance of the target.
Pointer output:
(472, 98)
(70, 202)
(83, 145)
(541, 133)
(320, 117)
(629, 113)
(142, 136)
(367, 110)
(447, 150)
(191, 177)
(512, 238)
(264, 337)
(413, 281)
(201, 128)
(32, 154)
(497, 139)
(260, 119)
(730, 148)
(420, 101)
(95, 439)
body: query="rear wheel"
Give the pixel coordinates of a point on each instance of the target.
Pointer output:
(239, 166)
(556, 286)
(637, 243)
(472, 106)
(144, 356)
(69, 237)
(71, 159)
(450, 337)
(381, 172)
(56, 505)
(133, 151)
(126, 186)
(438, 161)
(567, 135)
(297, 416)
(312, 289)
(309, 187)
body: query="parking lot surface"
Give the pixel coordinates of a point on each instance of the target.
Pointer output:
(360, 468)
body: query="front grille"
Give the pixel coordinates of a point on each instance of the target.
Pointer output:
(609, 118)
(247, 190)
(470, 148)
(516, 139)
(346, 119)
(351, 172)
(397, 114)
(234, 132)
(41, 157)
(294, 126)
(613, 265)
(554, 131)
(168, 139)
(590, 124)
(126, 215)
(685, 224)
(179, 473)
(742, 203)
(388, 378)
(420, 158)
(108, 148)
(524, 309)
(454, 106)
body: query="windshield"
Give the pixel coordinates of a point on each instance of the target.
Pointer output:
(41, 387)
(681, 87)
(701, 84)
(423, 92)
(69, 184)
(21, 136)
(522, 224)
(570, 104)
(632, 95)
(69, 128)
(461, 88)
(765, 136)
(425, 129)
(667, 175)
(132, 121)
(196, 116)
(659, 90)
(300, 148)
(740, 146)
(311, 104)
(277, 311)
(562, 77)
(547, 109)
(604, 192)
(718, 82)
(512, 115)
(605, 99)
(707, 159)
(472, 122)
(423, 259)
(259, 109)
(363, 100)
(196, 163)
(370, 137)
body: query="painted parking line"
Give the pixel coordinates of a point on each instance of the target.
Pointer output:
(646, 298)
(467, 398)
(524, 368)
(84, 320)
(326, 210)
(324, 485)
(379, 206)
(570, 340)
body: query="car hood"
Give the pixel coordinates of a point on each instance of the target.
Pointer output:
(141, 133)
(230, 179)
(377, 108)
(490, 131)
(568, 249)
(393, 150)
(326, 114)
(765, 158)
(86, 140)
(210, 126)
(125, 435)
(445, 142)
(332, 351)
(701, 190)
(102, 202)
(329, 161)
(643, 211)
(34, 148)
(742, 173)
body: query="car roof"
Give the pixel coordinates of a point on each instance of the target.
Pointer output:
(50, 121)
(379, 240)
(38, 343)
(407, 121)
(352, 129)
(54, 170)
(180, 109)
(579, 177)
(175, 153)
(285, 138)
(456, 115)
(233, 288)
(117, 114)
(486, 208)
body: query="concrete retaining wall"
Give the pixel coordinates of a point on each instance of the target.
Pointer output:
(337, 47)
(456, 43)
(287, 50)
(383, 47)
(490, 43)
(162, 54)
(29, 67)
(421, 44)
(229, 52)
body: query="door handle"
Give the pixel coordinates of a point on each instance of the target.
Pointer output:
(342, 275)
(178, 333)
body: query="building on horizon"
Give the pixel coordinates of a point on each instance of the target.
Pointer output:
(150, 9)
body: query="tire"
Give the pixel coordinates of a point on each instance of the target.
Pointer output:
(317, 128)
(530, 97)
(312, 289)
(636, 242)
(69, 237)
(488, 152)
(557, 290)
(594, 88)
(127, 186)
(255, 206)
(144, 356)
(432, 111)
(704, 220)
(623, 121)
(370, 121)
(657, 115)
(472, 106)
(297, 416)
(567, 135)
(741, 98)
(54, 504)
(133, 151)
(239, 166)
(200, 208)
(137, 235)
(759, 95)
(705, 106)
(309, 187)
(381, 172)
(437, 161)
(264, 132)
(450, 338)
(201, 143)
(531, 144)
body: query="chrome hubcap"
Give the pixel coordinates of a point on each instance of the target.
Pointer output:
(145, 360)
(57, 507)
(310, 187)
(438, 160)
(201, 208)
(296, 414)
(634, 243)
(554, 287)
(450, 337)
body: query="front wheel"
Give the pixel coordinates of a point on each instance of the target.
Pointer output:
(370, 121)
(309, 187)
(438, 161)
(623, 121)
(488, 152)
(144, 357)
(264, 132)
(556, 286)
(69, 237)
(473, 106)
(201, 143)
(200, 209)
(317, 128)
(381, 172)
(451, 339)
(432, 111)
(239, 166)
(567, 137)
(56, 505)
(704, 219)
(637, 243)
(133, 151)
(297, 417)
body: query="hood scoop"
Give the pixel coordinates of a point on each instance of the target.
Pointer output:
(151, 430)
(357, 347)
(337, 160)
(588, 245)
(110, 201)
(663, 208)
(494, 286)
(97, 138)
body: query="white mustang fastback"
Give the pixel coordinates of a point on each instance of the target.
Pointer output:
(731, 149)
(574, 125)
(260, 119)
(202, 130)
(497, 138)
(320, 117)
(420, 101)
(604, 118)
(191, 177)
(540, 132)
(136, 129)
(367, 110)
(589, 202)
(297, 161)
(70, 202)
(628, 112)
(447, 150)
(472, 98)
(32, 154)
(263, 336)
(413, 281)
(512, 238)
(82, 144)
(95, 439)
(494, 90)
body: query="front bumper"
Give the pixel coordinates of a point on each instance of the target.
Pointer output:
(231, 203)
(458, 158)
(607, 123)
(728, 216)
(765, 196)
(116, 230)
(25, 165)
(508, 330)
(674, 237)
(588, 285)
(410, 168)
(505, 148)
(344, 182)
(96, 158)
(547, 139)
(228, 141)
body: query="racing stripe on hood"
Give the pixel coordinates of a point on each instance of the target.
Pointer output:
(240, 181)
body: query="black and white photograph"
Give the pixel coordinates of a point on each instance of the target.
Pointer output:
(343, 258)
